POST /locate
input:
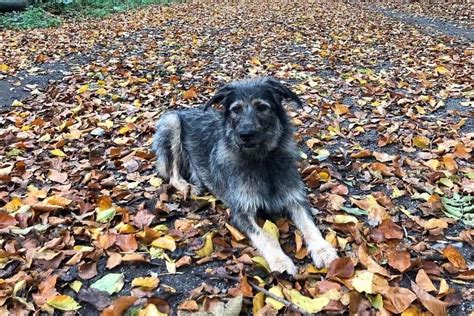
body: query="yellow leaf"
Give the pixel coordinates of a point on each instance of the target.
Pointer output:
(57, 153)
(261, 262)
(208, 247)
(57, 200)
(276, 290)
(64, 303)
(17, 103)
(137, 103)
(362, 282)
(83, 89)
(4, 68)
(343, 219)
(76, 285)
(441, 70)
(421, 142)
(238, 236)
(101, 91)
(165, 242)
(433, 164)
(150, 310)
(147, 283)
(156, 182)
(311, 305)
(272, 229)
(258, 302)
(13, 205)
(107, 124)
(412, 311)
(255, 61)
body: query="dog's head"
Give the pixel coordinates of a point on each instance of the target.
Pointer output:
(254, 116)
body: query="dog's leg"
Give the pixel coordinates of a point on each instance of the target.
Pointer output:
(266, 244)
(322, 252)
(168, 148)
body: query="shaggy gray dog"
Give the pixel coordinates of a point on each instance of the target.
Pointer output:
(246, 156)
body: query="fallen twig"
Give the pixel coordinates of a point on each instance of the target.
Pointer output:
(287, 303)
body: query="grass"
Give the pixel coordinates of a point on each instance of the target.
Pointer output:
(32, 17)
(52, 14)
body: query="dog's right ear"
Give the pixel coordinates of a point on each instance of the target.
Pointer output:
(220, 95)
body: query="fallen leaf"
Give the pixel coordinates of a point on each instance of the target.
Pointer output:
(110, 283)
(64, 303)
(423, 280)
(455, 257)
(437, 307)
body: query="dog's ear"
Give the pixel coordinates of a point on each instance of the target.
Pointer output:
(283, 91)
(220, 95)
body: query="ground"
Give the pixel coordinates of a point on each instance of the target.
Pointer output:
(385, 139)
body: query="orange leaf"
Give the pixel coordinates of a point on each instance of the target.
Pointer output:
(390, 230)
(119, 306)
(189, 305)
(105, 202)
(189, 94)
(341, 109)
(237, 235)
(455, 257)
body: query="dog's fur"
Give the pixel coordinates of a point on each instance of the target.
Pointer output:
(246, 156)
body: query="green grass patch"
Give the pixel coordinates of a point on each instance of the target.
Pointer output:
(32, 17)
(51, 14)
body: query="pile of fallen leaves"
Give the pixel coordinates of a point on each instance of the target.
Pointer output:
(459, 13)
(386, 145)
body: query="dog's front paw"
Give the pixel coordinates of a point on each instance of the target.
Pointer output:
(282, 263)
(323, 254)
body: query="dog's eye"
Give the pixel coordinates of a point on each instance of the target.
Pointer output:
(261, 107)
(236, 108)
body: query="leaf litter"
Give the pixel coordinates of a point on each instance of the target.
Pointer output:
(387, 160)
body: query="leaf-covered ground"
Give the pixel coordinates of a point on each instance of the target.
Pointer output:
(386, 141)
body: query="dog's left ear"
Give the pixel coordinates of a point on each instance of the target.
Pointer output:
(220, 95)
(284, 92)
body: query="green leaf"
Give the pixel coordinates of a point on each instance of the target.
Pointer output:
(354, 210)
(110, 283)
(64, 303)
(376, 301)
(105, 215)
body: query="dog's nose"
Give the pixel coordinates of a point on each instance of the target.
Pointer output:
(247, 135)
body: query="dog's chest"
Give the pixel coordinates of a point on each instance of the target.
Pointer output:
(268, 186)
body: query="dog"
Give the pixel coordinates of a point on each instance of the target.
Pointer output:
(246, 156)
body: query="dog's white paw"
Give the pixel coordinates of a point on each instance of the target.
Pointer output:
(323, 253)
(281, 263)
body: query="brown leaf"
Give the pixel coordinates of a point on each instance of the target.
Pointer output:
(143, 218)
(189, 305)
(190, 94)
(455, 257)
(423, 280)
(370, 263)
(341, 268)
(127, 242)
(437, 307)
(56, 176)
(88, 270)
(183, 261)
(7, 220)
(390, 230)
(397, 299)
(113, 260)
(119, 306)
(399, 260)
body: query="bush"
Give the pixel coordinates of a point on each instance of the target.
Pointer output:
(32, 17)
